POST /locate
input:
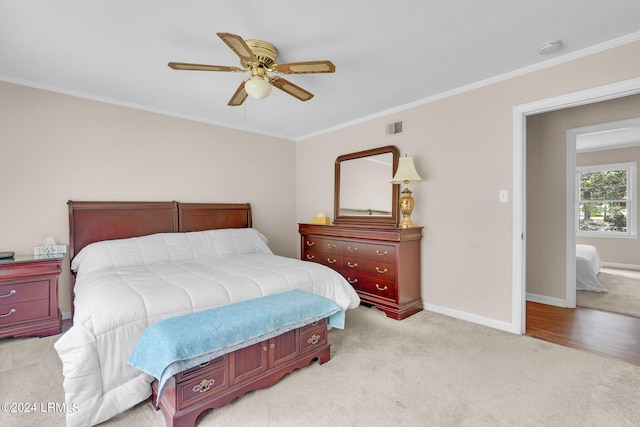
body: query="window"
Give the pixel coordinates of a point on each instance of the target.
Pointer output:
(606, 200)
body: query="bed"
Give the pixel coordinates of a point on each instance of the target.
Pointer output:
(136, 263)
(588, 265)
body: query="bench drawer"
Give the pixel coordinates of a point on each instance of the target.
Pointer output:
(202, 386)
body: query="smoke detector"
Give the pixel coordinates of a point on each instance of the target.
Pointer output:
(549, 47)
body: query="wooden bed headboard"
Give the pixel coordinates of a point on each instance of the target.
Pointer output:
(91, 222)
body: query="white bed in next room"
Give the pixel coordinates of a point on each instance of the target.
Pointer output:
(588, 265)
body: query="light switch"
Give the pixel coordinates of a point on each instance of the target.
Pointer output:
(503, 196)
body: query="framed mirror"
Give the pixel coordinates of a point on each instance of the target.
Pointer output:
(363, 190)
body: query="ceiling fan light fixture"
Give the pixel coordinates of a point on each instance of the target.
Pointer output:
(257, 87)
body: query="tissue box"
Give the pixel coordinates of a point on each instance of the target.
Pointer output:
(50, 250)
(321, 220)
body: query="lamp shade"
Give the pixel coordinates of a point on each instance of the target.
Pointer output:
(257, 87)
(406, 171)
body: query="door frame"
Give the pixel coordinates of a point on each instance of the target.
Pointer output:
(520, 114)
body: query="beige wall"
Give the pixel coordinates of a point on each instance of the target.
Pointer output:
(614, 251)
(546, 190)
(463, 147)
(54, 148)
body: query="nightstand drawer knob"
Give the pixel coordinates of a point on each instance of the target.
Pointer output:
(12, 292)
(13, 310)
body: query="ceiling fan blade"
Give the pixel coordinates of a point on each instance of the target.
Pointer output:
(291, 89)
(238, 45)
(307, 67)
(238, 97)
(202, 67)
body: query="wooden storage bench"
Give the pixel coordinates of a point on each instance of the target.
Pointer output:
(217, 382)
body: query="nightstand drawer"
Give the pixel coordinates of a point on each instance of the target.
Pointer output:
(26, 291)
(21, 311)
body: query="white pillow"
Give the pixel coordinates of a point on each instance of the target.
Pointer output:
(164, 247)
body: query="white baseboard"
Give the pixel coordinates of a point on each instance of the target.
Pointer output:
(66, 315)
(546, 300)
(474, 318)
(618, 265)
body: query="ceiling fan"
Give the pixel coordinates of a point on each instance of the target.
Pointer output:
(260, 57)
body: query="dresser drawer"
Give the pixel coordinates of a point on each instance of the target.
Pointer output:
(322, 245)
(21, 311)
(328, 259)
(25, 291)
(210, 365)
(370, 251)
(379, 288)
(202, 386)
(375, 269)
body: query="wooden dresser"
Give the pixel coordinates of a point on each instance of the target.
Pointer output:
(382, 264)
(29, 297)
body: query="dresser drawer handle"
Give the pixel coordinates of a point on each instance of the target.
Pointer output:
(331, 246)
(13, 310)
(352, 281)
(12, 292)
(310, 256)
(350, 249)
(309, 243)
(314, 323)
(381, 253)
(202, 365)
(314, 339)
(381, 288)
(381, 271)
(331, 261)
(204, 386)
(354, 265)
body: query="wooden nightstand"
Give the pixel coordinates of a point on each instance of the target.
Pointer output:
(29, 296)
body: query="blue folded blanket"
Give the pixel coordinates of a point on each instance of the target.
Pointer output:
(179, 343)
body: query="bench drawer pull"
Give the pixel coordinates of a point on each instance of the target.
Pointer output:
(204, 386)
(314, 339)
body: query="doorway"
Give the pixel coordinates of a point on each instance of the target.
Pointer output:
(519, 238)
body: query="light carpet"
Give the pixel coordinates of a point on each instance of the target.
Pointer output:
(622, 296)
(427, 370)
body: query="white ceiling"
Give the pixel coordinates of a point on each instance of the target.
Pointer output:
(388, 55)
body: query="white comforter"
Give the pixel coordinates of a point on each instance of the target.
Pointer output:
(125, 285)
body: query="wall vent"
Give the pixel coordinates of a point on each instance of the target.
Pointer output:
(394, 128)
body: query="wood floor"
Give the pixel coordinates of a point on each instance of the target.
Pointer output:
(607, 334)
